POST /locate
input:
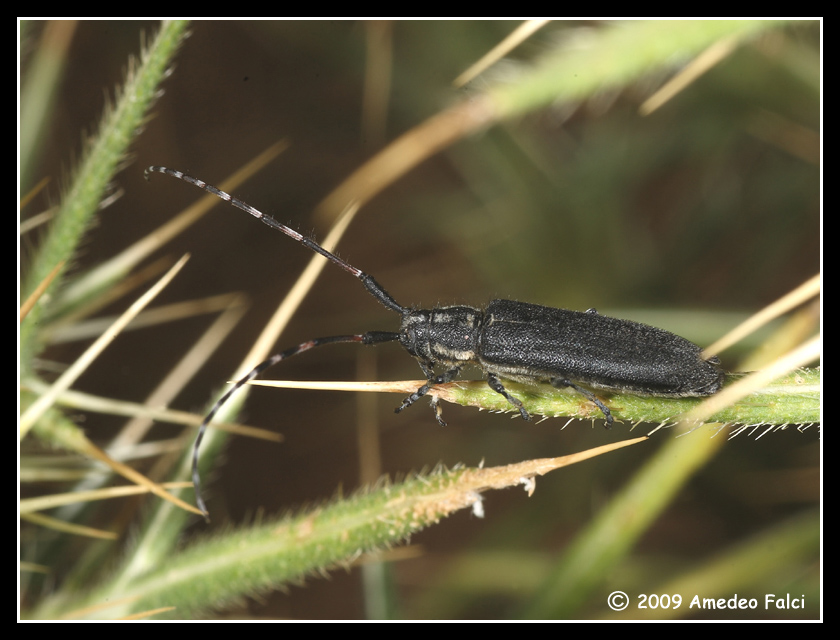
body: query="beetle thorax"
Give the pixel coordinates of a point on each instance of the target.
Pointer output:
(445, 335)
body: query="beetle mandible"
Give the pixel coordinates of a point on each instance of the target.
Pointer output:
(508, 340)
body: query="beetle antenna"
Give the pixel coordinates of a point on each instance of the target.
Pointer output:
(371, 337)
(373, 287)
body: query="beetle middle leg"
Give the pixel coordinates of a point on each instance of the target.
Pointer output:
(495, 384)
(562, 382)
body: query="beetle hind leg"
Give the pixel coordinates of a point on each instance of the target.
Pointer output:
(562, 382)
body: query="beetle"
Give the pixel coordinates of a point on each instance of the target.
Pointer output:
(508, 340)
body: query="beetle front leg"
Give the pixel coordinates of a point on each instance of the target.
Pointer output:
(443, 378)
(496, 385)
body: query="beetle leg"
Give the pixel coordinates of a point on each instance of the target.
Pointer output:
(496, 385)
(429, 369)
(562, 382)
(443, 378)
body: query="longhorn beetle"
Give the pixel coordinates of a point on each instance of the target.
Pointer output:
(507, 340)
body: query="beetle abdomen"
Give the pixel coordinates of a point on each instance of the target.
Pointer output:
(522, 341)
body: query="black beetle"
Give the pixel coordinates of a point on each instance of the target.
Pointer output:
(511, 340)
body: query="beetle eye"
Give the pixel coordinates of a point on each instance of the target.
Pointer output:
(408, 338)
